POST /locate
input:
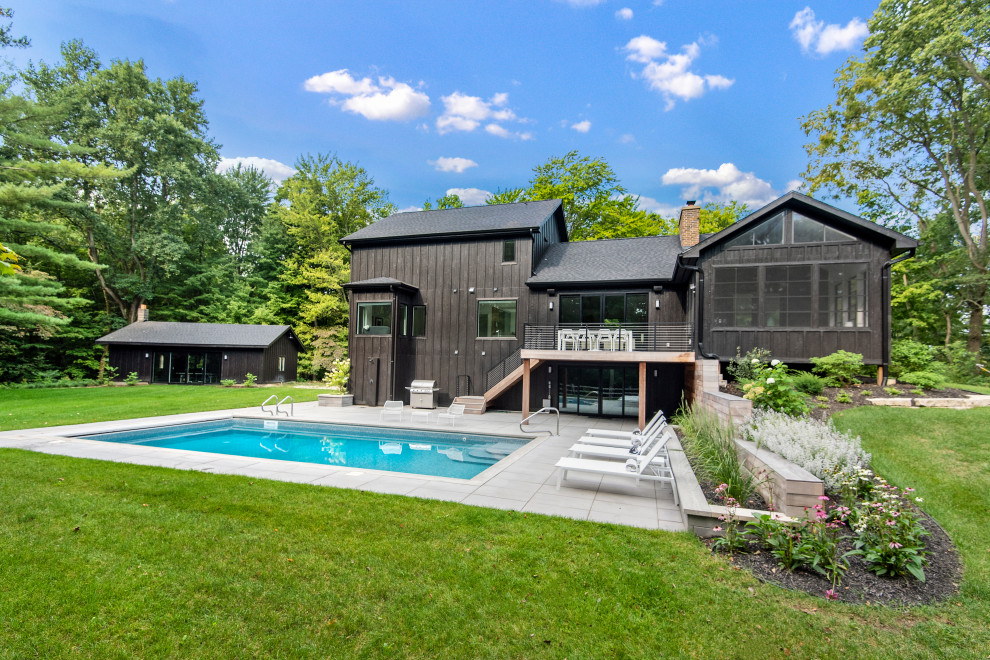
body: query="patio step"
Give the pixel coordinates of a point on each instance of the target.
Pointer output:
(473, 405)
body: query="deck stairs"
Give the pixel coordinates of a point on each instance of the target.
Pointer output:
(473, 405)
(510, 379)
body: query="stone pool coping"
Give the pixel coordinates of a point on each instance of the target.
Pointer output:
(524, 481)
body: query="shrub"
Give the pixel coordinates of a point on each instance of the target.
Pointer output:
(924, 379)
(816, 446)
(839, 369)
(250, 380)
(907, 355)
(808, 383)
(338, 376)
(132, 378)
(961, 365)
(109, 374)
(772, 389)
(744, 368)
(709, 445)
(228, 382)
(892, 391)
(843, 397)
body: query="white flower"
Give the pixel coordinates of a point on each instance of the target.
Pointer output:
(755, 361)
(774, 363)
(919, 499)
(770, 381)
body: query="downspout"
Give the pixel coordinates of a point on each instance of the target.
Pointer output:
(395, 340)
(700, 312)
(885, 329)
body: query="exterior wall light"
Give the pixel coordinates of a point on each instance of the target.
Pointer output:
(551, 305)
(471, 290)
(658, 303)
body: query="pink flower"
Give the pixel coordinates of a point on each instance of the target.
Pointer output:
(830, 594)
(894, 545)
(823, 497)
(890, 523)
(716, 529)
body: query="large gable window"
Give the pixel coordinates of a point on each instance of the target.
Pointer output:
(496, 318)
(768, 232)
(806, 230)
(374, 318)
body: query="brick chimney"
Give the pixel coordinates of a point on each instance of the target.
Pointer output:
(689, 225)
(142, 314)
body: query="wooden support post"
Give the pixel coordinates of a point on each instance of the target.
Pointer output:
(880, 375)
(642, 395)
(525, 393)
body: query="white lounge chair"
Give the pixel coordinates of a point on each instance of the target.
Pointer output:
(637, 468)
(623, 443)
(581, 450)
(391, 408)
(454, 413)
(658, 419)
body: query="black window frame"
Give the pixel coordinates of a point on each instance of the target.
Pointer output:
(509, 251)
(388, 324)
(515, 318)
(416, 310)
(564, 305)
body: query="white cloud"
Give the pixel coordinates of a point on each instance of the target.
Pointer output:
(793, 184)
(273, 169)
(664, 210)
(444, 164)
(627, 138)
(727, 183)
(470, 196)
(583, 3)
(669, 73)
(410, 209)
(820, 39)
(463, 112)
(388, 100)
(582, 126)
(624, 14)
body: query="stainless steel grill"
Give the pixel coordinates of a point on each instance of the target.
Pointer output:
(423, 394)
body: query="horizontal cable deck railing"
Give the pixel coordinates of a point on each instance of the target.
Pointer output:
(502, 369)
(654, 337)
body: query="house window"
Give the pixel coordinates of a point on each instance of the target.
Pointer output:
(374, 318)
(842, 295)
(281, 364)
(496, 318)
(736, 296)
(787, 296)
(404, 321)
(806, 230)
(508, 251)
(419, 321)
(768, 232)
(604, 308)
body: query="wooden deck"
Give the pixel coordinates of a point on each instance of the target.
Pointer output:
(608, 356)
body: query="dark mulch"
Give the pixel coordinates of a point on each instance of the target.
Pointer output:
(942, 574)
(708, 488)
(858, 395)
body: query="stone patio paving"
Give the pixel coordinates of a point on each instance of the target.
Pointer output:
(524, 481)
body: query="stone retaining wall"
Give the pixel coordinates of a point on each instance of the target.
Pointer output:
(789, 488)
(701, 381)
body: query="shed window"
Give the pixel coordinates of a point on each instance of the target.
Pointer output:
(736, 296)
(842, 296)
(508, 251)
(496, 318)
(281, 363)
(768, 232)
(806, 230)
(787, 296)
(374, 318)
(419, 321)
(404, 321)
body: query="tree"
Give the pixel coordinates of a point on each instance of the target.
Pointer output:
(155, 132)
(445, 202)
(325, 200)
(909, 131)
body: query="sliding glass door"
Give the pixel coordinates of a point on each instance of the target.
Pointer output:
(187, 367)
(610, 391)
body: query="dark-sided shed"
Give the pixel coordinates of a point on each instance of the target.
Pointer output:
(203, 353)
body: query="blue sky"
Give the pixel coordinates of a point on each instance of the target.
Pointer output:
(685, 99)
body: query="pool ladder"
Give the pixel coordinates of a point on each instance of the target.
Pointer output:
(547, 410)
(288, 413)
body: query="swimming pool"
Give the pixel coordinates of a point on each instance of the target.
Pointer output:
(435, 453)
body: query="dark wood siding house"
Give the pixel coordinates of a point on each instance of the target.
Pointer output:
(495, 301)
(203, 353)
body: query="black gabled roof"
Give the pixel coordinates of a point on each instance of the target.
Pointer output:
(833, 216)
(220, 335)
(381, 283)
(614, 261)
(468, 221)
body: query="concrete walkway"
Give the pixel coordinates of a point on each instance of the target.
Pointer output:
(524, 481)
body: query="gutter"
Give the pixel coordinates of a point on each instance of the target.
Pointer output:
(700, 313)
(885, 318)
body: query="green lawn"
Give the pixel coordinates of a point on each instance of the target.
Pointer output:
(24, 409)
(101, 559)
(979, 389)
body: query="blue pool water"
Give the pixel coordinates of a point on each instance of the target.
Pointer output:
(436, 453)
